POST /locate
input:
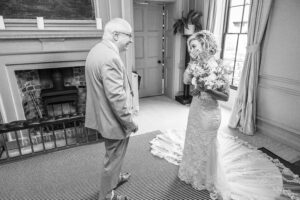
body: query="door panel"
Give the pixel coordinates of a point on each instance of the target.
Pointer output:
(139, 47)
(154, 81)
(154, 46)
(148, 47)
(138, 19)
(154, 18)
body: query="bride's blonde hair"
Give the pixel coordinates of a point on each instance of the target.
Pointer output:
(207, 39)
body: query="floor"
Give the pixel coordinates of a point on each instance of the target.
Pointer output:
(74, 174)
(162, 113)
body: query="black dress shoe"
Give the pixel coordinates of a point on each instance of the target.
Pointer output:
(123, 178)
(119, 197)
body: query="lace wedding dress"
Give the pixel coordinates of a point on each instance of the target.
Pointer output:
(197, 165)
(226, 166)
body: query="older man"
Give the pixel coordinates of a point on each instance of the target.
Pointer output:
(108, 108)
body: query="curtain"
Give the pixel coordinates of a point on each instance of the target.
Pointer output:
(219, 23)
(243, 115)
(209, 10)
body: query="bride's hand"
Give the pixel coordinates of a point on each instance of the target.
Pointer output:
(197, 91)
(194, 54)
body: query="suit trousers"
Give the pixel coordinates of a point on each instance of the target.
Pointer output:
(113, 161)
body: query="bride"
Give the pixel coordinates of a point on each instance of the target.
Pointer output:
(224, 165)
(204, 116)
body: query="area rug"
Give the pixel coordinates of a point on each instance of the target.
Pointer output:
(74, 174)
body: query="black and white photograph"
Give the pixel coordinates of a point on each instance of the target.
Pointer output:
(149, 100)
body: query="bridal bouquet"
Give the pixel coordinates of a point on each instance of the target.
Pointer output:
(209, 76)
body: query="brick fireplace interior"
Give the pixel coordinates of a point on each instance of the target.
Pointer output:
(54, 92)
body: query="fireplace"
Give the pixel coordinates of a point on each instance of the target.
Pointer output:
(59, 94)
(52, 93)
(23, 80)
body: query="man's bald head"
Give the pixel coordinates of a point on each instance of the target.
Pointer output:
(116, 25)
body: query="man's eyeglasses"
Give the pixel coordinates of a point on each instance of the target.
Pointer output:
(128, 34)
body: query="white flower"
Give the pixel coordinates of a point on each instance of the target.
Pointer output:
(209, 87)
(193, 66)
(212, 63)
(212, 77)
(194, 81)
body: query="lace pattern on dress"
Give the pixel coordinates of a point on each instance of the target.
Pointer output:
(197, 161)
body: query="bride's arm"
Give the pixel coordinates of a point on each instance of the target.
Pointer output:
(218, 95)
(187, 75)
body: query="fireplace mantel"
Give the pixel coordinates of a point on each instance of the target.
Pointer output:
(27, 29)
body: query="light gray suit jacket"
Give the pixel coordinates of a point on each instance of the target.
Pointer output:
(107, 109)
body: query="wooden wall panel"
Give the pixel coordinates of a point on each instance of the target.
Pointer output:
(279, 81)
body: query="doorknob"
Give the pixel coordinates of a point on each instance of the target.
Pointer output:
(159, 61)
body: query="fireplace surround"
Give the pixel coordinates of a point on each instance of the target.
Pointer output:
(51, 92)
(17, 87)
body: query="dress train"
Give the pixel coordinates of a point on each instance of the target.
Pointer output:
(241, 171)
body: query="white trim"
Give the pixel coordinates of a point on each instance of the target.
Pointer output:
(97, 8)
(2, 110)
(279, 125)
(281, 84)
(123, 4)
(29, 34)
(284, 90)
(27, 28)
(109, 8)
(42, 52)
(28, 23)
(280, 79)
(279, 131)
(14, 90)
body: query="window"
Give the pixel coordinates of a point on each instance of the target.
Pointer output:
(235, 38)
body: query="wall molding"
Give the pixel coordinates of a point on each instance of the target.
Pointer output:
(280, 89)
(27, 29)
(30, 34)
(280, 84)
(44, 65)
(280, 79)
(43, 52)
(279, 131)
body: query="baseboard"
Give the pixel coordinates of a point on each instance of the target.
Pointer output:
(281, 134)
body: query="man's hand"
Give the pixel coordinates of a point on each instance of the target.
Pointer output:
(136, 128)
(132, 127)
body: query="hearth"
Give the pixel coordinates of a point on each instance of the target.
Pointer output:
(52, 92)
(59, 95)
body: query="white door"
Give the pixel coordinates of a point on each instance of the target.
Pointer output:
(148, 20)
